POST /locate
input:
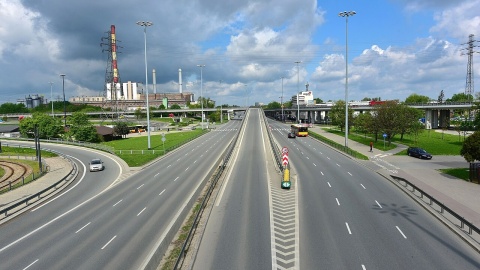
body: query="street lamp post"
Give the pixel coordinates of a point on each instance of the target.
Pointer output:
(201, 88)
(298, 91)
(51, 96)
(281, 99)
(145, 25)
(221, 106)
(64, 106)
(346, 14)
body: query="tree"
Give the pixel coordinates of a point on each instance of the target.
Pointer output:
(274, 105)
(318, 101)
(81, 129)
(139, 114)
(363, 122)
(121, 129)
(48, 127)
(440, 97)
(13, 108)
(415, 98)
(175, 107)
(471, 147)
(407, 118)
(337, 115)
(460, 97)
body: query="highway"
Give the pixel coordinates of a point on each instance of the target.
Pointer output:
(352, 218)
(345, 216)
(93, 226)
(238, 230)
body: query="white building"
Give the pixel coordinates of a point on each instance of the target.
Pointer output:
(131, 91)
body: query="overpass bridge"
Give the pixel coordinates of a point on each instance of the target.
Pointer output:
(435, 113)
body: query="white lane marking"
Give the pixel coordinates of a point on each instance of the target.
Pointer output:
(195, 162)
(401, 232)
(322, 173)
(55, 198)
(363, 267)
(83, 227)
(156, 175)
(141, 211)
(378, 204)
(348, 228)
(169, 166)
(363, 186)
(350, 173)
(140, 186)
(187, 169)
(337, 164)
(321, 153)
(117, 203)
(302, 154)
(201, 155)
(186, 154)
(178, 159)
(337, 201)
(329, 184)
(314, 164)
(109, 242)
(31, 264)
(328, 158)
(161, 192)
(307, 157)
(175, 179)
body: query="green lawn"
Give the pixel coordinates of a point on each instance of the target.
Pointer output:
(364, 139)
(462, 173)
(19, 151)
(172, 140)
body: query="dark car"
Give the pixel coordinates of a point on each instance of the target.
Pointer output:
(291, 135)
(418, 152)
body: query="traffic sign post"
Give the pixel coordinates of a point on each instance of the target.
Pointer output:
(384, 136)
(286, 172)
(163, 141)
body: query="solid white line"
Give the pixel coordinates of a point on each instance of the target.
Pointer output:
(141, 211)
(30, 264)
(329, 184)
(350, 232)
(60, 195)
(314, 164)
(401, 232)
(350, 174)
(363, 186)
(337, 201)
(140, 186)
(117, 203)
(161, 192)
(83, 227)
(322, 173)
(175, 179)
(109, 242)
(378, 204)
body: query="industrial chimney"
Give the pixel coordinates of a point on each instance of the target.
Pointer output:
(180, 80)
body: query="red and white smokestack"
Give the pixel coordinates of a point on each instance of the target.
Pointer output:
(154, 81)
(114, 58)
(180, 80)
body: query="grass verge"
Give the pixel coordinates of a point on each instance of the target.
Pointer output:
(338, 146)
(461, 173)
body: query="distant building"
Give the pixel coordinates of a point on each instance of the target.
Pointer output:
(32, 101)
(304, 97)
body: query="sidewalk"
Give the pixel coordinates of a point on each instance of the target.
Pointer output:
(460, 196)
(59, 168)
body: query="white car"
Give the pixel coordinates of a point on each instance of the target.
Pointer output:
(96, 165)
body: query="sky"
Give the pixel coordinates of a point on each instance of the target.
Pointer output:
(395, 47)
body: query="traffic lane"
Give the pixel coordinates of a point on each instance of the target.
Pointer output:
(237, 234)
(116, 202)
(346, 177)
(81, 189)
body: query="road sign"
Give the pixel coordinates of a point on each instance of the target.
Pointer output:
(384, 135)
(285, 150)
(285, 160)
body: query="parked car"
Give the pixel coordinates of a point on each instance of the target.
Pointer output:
(418, 152)
(96, 165)
(291, 135)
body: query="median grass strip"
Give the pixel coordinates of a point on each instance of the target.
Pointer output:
(338, 146)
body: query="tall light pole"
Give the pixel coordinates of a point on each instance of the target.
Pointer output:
(145, 24)
(201, 88)
(51, 96)
(221, 106)
(298, 91)
(346, 14)
(64, 106)
(281, 100)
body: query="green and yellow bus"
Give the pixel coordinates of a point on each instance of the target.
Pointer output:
(299, 130)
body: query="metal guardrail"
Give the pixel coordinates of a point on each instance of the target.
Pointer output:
(38, 195)
(471, 228)
(227, 154)
(97, 146)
